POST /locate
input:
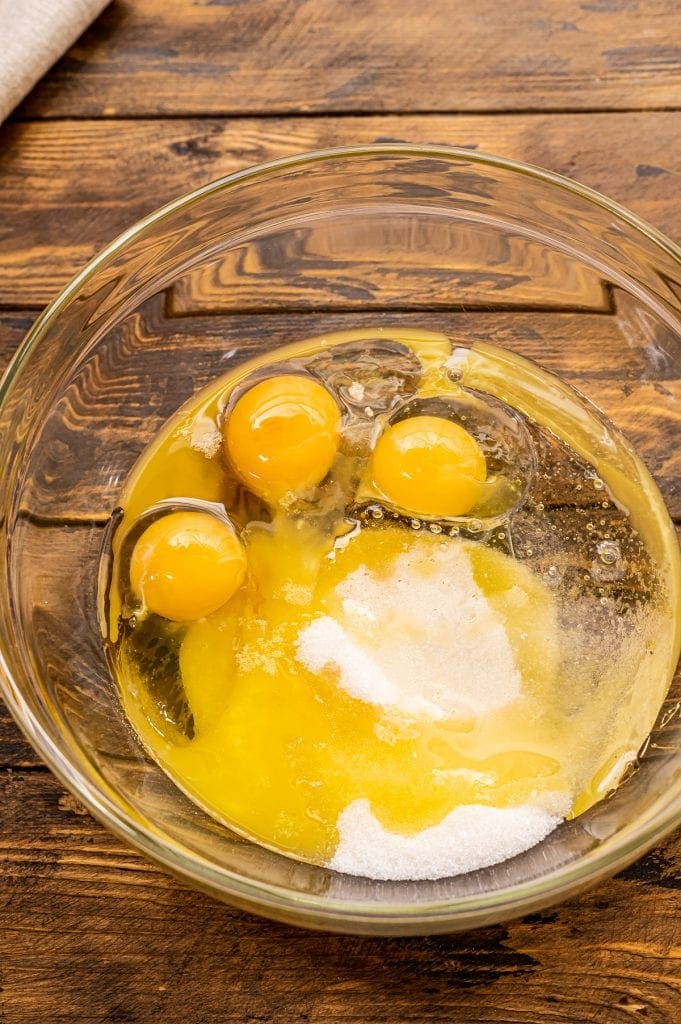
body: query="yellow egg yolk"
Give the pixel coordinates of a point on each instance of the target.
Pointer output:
(429, 466)
(282, 435)
(186, 565)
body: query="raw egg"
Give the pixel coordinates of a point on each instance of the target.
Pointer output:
(187, 565)
(429, 466)
(282, 435)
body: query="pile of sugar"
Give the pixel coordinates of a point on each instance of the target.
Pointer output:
(423, 640)
(203, 436)
(470, 837)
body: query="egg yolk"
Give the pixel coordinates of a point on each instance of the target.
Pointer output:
(282, 435)
(429, 466)
(187, 565)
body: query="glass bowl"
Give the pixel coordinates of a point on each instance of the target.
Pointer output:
(478, 247)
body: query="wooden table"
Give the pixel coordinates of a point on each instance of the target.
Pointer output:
(163, 95)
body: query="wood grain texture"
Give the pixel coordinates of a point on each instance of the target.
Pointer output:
(152, 363)
(388, 262)
(15, 752)
(68, 188)
(13, 328)
(268, 56)
(89, 932)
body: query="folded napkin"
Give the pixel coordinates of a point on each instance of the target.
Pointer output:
(33, 35)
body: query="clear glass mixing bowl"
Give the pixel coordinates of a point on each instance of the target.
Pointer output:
(478, 247)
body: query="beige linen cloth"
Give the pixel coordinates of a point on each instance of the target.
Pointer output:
(33, 35)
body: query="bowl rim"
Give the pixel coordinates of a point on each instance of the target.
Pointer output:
(276, 900)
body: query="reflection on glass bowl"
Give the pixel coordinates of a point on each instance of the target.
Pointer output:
(478, 248)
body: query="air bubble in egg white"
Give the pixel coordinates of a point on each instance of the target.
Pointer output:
(553, 574)
(608, 552)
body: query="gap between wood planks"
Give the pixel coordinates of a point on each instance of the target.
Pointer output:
(229, 114)
(171, 312)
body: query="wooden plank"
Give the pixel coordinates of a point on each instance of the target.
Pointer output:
(56, 601)
(265, 56)
(15, 752)
(90, 932)
(573, 345)
(13, 328)
(386, 262)
(151, 364)
(55, 213)
(649, 414)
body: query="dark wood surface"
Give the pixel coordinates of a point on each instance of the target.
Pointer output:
(262, 56)
(55, 212)
(156, 98)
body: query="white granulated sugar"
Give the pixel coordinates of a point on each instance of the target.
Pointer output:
(203, 436)
(424, 640)
(360, 675)
(472, 836)
(295, 593)
(457, 361)
(356, 392)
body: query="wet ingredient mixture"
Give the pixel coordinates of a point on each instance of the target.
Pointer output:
(391, 605)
